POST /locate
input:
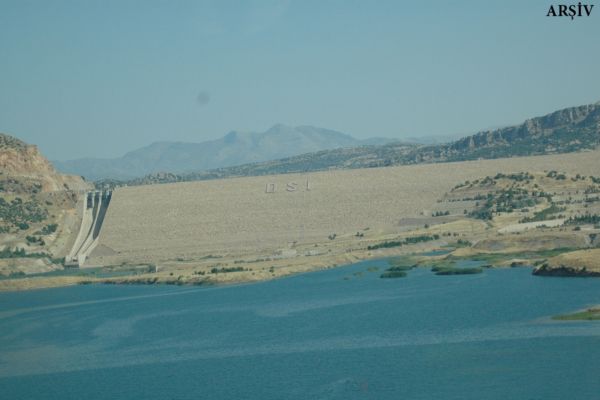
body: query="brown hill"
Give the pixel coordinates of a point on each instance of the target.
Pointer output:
(37, 208)
(24, 162)
(573, 128)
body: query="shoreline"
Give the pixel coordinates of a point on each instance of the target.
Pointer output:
(429, 257)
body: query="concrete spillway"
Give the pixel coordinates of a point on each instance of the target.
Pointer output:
(94, 206)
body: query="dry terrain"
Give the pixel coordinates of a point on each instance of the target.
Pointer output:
(580, 263)
(38, 213)
(160, 223)
(257, 228)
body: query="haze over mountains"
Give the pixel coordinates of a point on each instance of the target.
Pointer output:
(235, 148)
(283, 149)
(568, 130)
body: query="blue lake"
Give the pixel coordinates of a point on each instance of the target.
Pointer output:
(337, 334)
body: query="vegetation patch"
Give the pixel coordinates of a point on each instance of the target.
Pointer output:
(591, 314)
(402, 262)
(34, 240)
(456, 270)
(393, 274)
(20, 253)
(505, 200)
(398, 267)
(463, 243)
(583, 219)
(224, 270)
(407, 241)
(49, 229)
(499, 258)
(440, 213)
(20, 214)
(545, 214)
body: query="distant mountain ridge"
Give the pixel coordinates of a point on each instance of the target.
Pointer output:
(235, 148)
(568, 130)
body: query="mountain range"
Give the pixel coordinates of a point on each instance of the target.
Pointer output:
(284, 149)
(235, 148)
(567, 130)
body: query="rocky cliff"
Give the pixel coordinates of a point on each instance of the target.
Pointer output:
(24, 162)
(37, 209)
(575, 127)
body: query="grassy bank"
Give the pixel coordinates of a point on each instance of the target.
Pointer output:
(591, 314)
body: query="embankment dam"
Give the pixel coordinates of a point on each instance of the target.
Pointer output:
(248, 215)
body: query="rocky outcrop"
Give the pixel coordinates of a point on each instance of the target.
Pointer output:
(580, 123)
(19, 160)
(582, 263)
(37, 207)
(564, 270)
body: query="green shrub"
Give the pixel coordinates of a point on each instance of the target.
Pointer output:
(48, 229)
(544, 214)
(456, 271)
(226, 270)
(35, 240)
(463, 243)
(393, 274)
(21, 213)
(401, 268)
(20, 253)
(584, 219)
(407, 241)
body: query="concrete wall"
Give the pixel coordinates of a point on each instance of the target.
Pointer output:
(94, 206)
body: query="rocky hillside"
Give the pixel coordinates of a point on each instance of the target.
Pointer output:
(21, 161)
(235, 148)
(569, 130)
(37, 207)
(576, 263)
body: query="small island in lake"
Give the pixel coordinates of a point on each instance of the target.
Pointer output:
(591, 314)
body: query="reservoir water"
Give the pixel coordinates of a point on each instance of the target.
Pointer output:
(336, 334)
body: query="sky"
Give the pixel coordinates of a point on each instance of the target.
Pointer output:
(100, 78)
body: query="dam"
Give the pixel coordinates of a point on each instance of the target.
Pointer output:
(94, 206)
(237, 217)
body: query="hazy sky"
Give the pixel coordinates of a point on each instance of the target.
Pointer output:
(99, 78)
